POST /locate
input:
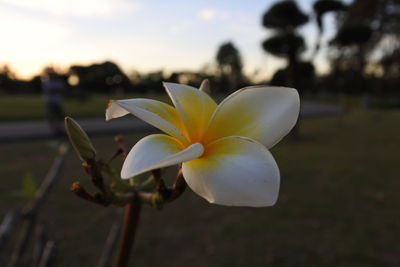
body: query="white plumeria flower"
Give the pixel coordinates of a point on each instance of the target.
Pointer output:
(223, 148)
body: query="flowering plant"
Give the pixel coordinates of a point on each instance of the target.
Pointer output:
(223, 148)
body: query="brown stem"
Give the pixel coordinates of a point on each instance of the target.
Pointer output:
(115, 155)
(81, 192)
(127, 237)
(160, 185)
(119, 139)
(91, 169)
(179, 186)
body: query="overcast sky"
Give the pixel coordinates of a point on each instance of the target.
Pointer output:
(137, 34)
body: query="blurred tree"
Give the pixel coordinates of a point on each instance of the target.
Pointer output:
(391, 64)
(284, 18)
(287, 45)
(354, 37)
(321, 8)
(305, 70)
(151, 83)
(230, 65)
(364, 32)
(10, 84)
(368, 30)
(135, 77)
(106, 77)
(6, 77)
(387, 40)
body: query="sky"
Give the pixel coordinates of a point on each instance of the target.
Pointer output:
(138, 35)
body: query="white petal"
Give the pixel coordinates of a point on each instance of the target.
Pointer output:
(234, 171)
(156, 113)
(113, 110)
(265, 114)
(194, 106)
(157, 151)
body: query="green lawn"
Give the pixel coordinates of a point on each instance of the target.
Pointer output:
(30, 107)
(338, 205)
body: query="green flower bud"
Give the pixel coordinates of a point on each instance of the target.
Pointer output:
(79, 139)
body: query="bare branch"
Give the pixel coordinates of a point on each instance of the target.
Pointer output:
(48, 256)
(39, 244)
(22, 241)
(10, 221)
(48, 181)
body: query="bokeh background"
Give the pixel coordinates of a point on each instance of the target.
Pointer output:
(339, 200)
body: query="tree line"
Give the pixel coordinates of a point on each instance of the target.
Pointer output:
(363, 55)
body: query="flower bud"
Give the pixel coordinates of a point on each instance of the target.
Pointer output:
(205, 86)
(79, 139)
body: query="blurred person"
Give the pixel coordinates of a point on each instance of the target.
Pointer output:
(53, 87)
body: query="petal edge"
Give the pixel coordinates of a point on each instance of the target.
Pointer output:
(157, 151)
(156, 113)
(234, 171)
(265, 114)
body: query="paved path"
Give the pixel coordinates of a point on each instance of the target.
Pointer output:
(30, 130)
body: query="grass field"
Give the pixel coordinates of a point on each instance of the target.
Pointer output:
(30, 107)
(338, 205)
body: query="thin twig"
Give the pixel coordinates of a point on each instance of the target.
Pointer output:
(39, 244)
(48, 256)
(22, 241)
(91, 168)
(48, 181)
(179, 186)
(120, 140)
(10, 221)
(114, 156)
(81, 192)
(160, 185)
